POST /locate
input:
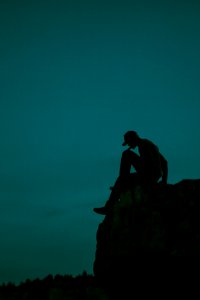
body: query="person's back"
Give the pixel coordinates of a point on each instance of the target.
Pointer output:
(151, 167)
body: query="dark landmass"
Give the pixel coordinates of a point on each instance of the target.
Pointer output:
(150, 240)
(67, 287)
(148, 245)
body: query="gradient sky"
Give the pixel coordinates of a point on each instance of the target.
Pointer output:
(75, 76)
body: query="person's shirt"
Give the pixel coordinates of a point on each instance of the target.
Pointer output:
(151, 166)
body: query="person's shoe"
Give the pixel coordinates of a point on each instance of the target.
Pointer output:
(101, 210)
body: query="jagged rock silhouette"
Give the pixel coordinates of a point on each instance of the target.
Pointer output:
(146, 229)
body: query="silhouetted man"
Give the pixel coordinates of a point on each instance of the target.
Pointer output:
(150, 167)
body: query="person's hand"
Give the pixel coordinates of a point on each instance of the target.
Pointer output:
(127, 150)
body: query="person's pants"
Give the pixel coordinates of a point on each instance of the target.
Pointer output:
(129, 159)
(122, 184)
(127, 179)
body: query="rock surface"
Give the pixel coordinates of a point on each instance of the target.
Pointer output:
(149, 229)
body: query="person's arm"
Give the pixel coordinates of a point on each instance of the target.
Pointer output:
(164, 166)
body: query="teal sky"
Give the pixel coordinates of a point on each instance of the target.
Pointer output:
(75, 76)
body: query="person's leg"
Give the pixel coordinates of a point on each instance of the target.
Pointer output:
(129, 159)
(121, 185)
(114, 196)
(115, 192)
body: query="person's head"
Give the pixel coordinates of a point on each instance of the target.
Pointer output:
(131, 139)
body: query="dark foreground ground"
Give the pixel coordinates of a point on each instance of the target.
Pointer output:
(67, 287)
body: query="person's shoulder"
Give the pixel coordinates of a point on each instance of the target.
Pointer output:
(147, 143)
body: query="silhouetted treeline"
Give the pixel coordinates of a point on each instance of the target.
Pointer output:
(56, 287)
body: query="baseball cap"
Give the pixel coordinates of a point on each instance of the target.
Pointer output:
(129, 136)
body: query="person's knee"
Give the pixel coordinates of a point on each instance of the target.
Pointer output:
(130, 156)
(126, 154)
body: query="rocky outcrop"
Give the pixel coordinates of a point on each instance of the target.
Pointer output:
(148, 230)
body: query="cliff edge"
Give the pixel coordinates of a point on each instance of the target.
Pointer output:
(147, 229)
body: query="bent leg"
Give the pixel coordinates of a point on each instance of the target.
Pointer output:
(122, 184)
(115, 193)
(125, 179)
(129, 159)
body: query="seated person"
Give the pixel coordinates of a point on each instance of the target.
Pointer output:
(150, 167)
